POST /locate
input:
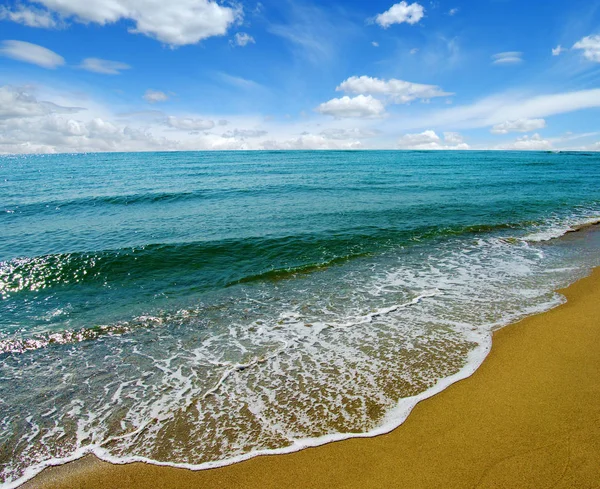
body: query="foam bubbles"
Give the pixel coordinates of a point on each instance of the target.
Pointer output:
(558, 228)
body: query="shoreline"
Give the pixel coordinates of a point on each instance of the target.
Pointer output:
(527, 417)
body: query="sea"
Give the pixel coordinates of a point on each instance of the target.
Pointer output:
(195, 309)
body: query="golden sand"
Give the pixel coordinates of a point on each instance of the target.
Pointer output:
(528, 418)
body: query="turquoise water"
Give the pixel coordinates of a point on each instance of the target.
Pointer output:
(198, 308)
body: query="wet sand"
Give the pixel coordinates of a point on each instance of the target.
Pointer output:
(528, 418)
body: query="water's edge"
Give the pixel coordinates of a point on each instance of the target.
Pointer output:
(394, 419)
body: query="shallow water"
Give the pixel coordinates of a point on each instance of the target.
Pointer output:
(197, 308)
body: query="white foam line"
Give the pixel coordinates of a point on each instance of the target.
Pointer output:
(392, 420)
(559, 230)
(367, 318)
(241, 366)
(395, 418)
(218, 384)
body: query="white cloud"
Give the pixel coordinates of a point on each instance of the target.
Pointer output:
(529, 143)
(52, 134)
(591, 147)
(103, 66)
(245, 133)
(360, 106)
(29, 16)
(311, 141)
(52, 120)
(51, 123)
(401, 13)
(153, 96)
(375, 44)
(519, 125)
(414, 51)
(30, 125)
(558, 50)
(507, 58)
(430, 140)
(355, 133)
(453, 11)
(31, 53)
(189, 123)
(214, 142)
(590, 46)
(398, 91)
(504, 107)
(175, 23)
(453, 138)
(18, 103)
(242, 39)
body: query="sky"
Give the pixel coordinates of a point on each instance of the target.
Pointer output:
(155, 75)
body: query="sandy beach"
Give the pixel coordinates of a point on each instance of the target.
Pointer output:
(528, 418)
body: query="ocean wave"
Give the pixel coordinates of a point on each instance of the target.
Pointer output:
(99, 201)
(107, 200)
(560, 229)
(207, 264)
(217, 263)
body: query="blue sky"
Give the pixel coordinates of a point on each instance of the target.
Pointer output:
(137, 75)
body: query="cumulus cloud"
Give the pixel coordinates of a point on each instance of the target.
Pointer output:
(426, 138)
(590, 46)
(401, 13)
(360, 106)
(529, 143)
(103, 66)
(397, 91)
(453, 11)
(189, 123)
(174, 23)
(242, 39)
(507, 58)
(430, 140)
(558, 50)
(375, 44)
(520, 125)
(29, 16)
(31, 53)
(245, 133)
(153, 96)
